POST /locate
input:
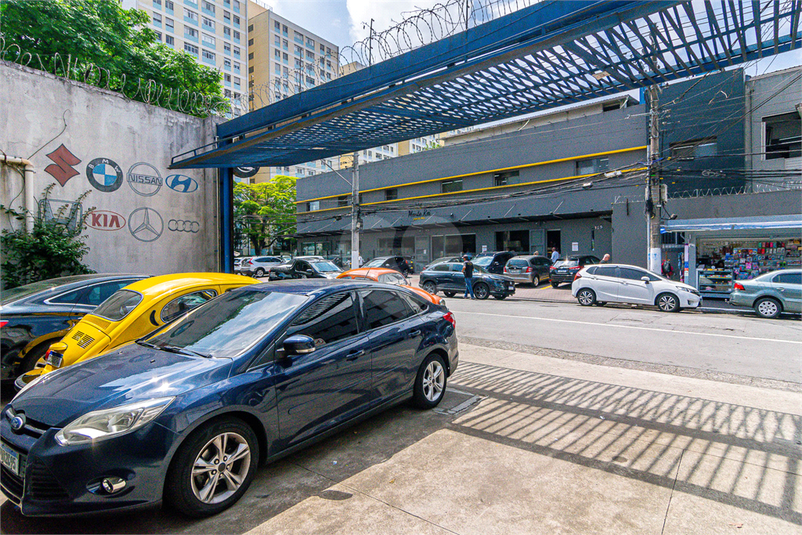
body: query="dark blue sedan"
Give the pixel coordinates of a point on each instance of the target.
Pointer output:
(187, 413)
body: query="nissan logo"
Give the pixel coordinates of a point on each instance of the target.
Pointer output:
(182, 225)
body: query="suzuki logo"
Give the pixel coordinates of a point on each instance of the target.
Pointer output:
(63, 169)
(105, 220)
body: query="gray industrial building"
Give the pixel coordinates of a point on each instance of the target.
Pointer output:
(577, 182)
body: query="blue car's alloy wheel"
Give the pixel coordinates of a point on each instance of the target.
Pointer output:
(430, 384)
(213, 468)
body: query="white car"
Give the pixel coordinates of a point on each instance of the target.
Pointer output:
(621, 283)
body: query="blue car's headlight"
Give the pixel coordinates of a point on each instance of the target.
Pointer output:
(108, 423)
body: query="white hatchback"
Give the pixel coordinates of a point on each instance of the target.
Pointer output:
(621, 283)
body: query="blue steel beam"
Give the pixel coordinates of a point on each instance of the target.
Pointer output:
(544, 56)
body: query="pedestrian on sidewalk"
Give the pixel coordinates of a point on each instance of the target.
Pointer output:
(605, 259)
(467, 270)
(555, 254)
(667, 269)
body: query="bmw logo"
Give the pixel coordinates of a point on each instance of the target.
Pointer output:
(17, 423)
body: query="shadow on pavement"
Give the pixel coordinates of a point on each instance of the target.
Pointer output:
(277, 486)
(739, 456)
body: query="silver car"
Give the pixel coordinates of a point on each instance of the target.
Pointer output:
(771, 293)
(258, 266)
(530, 269)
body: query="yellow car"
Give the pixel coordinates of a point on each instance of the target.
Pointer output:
(133, 312)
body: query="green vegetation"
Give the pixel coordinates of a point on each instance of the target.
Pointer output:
(266, 211)
(102, 33)
(54, 248)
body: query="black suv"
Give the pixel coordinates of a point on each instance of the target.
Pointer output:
(493, 262)
(565, 269)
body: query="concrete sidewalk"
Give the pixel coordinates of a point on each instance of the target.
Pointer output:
(543, 445)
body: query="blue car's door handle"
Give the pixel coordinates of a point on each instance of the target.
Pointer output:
(353, 355)
(415, 333)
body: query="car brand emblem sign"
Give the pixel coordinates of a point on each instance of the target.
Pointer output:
(17, 422)
(181, 183)
(183, 225)
(145, 224)
(144, 179)
(104, 174)
(105, 220)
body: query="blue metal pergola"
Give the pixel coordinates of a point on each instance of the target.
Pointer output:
(543, 56)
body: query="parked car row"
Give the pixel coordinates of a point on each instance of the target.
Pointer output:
(177, 387)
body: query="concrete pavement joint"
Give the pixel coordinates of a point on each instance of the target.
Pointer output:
(671, 495)
(680, 371)
(349, 487)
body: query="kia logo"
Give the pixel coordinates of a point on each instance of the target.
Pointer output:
(105, 220)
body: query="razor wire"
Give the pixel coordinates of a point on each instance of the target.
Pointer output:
(137, 89)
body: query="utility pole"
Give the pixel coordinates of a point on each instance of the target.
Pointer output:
(653, 190)
(355, 213)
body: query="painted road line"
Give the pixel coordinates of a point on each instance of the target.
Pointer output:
(664, 331)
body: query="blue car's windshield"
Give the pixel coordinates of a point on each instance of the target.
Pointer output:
(226, 326)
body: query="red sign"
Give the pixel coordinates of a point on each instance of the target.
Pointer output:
(105, 220)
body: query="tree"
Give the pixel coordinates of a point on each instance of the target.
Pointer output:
(54, 248)
(102, 33)
(266, 211)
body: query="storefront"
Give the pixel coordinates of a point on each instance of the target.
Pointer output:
(720, 251)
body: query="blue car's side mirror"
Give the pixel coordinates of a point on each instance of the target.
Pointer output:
(298, 344)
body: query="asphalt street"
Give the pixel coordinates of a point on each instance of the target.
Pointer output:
(703, 345)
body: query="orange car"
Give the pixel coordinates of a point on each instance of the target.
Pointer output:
(389, 276)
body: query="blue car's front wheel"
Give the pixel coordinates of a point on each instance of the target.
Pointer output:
(213, 468)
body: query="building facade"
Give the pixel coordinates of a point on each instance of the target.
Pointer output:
(212, 31)
(576, 181)
(284, 59)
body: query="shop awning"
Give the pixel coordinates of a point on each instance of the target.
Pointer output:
(734, 223)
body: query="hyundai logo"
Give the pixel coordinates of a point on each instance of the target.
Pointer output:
(17, 423)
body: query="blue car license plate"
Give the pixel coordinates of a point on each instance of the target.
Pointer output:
(9, 458)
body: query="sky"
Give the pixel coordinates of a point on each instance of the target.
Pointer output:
(343, 22)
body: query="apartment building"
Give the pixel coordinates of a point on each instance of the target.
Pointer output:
(213, 31)
(285, 59)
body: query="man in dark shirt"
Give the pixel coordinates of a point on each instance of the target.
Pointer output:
(467, 270)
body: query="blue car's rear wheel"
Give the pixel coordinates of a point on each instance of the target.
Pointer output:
(213, 468)
(430, 384)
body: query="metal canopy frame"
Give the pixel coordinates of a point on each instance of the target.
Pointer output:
(544, 56)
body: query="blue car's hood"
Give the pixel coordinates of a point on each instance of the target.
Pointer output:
(127, 375)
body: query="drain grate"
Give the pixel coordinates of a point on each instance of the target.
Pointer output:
(460, 402)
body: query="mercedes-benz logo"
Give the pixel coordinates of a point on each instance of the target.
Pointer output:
(145, 224)
(17, 422)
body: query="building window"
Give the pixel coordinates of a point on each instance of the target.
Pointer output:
(227, 78)
(311, 206)
(250, 56)
(592, 165)
(342, 201)
(310, 43)
(236, 20)
(226, 48)
(505, 178)
(169, 39)
(157, 19)
(226, 17)
(277, 25)
(159, 36)
(208, 40)
(451, 185)
(208, 6)
(169, 24)
(250, 27)
(208, 55)
(192, 49)
(157, 3)
(250, 69)
(694, 148)
(191, 32)
(191, 15)
(169, 5)
(227, 31)
(390, 194)
(783, 136)
(250, 42)
(208, 23)
(236, 52)
(227, 63)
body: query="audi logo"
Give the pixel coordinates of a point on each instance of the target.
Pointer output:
(182, 225)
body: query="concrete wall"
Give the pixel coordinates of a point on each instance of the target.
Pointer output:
(145, 218)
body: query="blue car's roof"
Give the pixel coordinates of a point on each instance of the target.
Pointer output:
(313, 286)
